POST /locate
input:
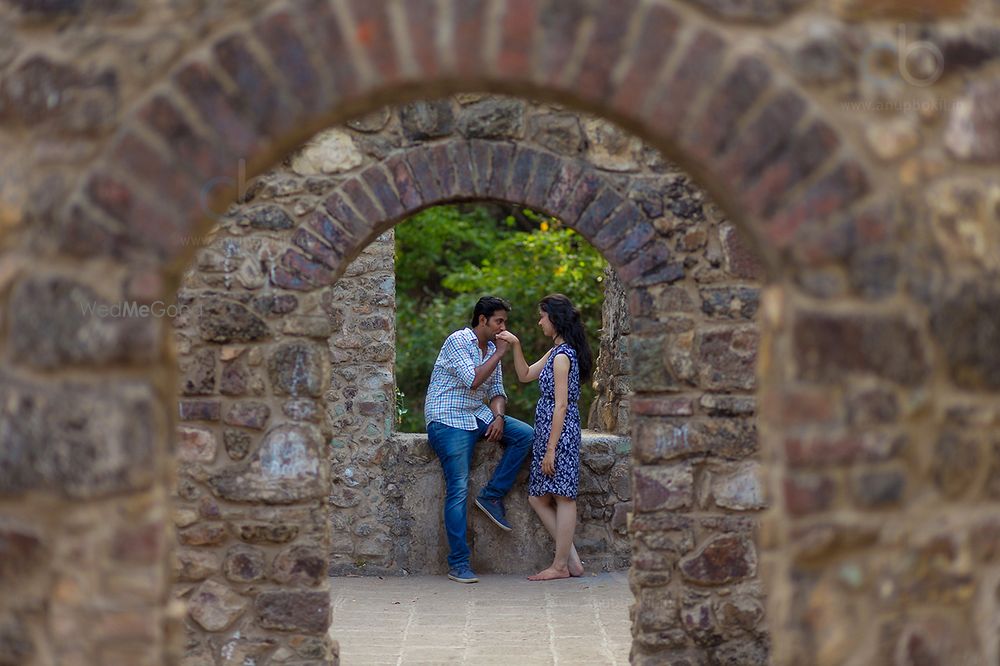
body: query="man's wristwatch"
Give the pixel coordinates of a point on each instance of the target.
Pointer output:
(498, 416)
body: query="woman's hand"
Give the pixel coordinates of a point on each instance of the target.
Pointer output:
(508, 337)
(549, 462)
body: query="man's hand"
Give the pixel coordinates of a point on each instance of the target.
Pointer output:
(494, 432)
(508, 337)
(502, 346)
(548, 463)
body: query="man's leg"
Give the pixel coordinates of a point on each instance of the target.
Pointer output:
(517, 439)
(453, 447)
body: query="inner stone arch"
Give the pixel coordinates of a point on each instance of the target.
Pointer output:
(286, 370)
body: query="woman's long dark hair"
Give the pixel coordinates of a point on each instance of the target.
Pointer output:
(566, 320)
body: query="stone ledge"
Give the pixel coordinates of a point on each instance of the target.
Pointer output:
(591, 441)
(412, 493)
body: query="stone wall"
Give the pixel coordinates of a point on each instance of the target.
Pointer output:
(855, 143)
(260, 366)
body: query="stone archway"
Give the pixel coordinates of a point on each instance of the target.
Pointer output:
(860, 315)
(261, 305)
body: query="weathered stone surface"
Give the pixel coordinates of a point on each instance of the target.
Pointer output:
(427, 119)
(972, 132)
(728, 405)
(196, 444)
(609, 147)
(214, 606)
(957, 460)
(301, 410)
(492, 118)
(293, 611)
(665, 439)
(699, 621)
(21, 553)
(296, 369)
(199, 410)
(42, 90)
(16, 646)
(308, 326)
(741, 261)
(245, 564)
(559, 132)
(371, 122)
(967, 326)
(879, 488)
(267, 533)
(723, 559)
(268, 217)
(56, 321)
(285, 469)
(327, 153)
(198, 373)
(739, 613)
(829, 347)
(745, 652)
(300, 565)
(808, 493)
(195, 565)
(237, 443)
(669, 487)
(248, 414)
(730, 302)
(657, 610)
(235, 379)
(227, 321)
(80, 440)
(766, 11)
(738, 487)
(203, 534)
(727, 358)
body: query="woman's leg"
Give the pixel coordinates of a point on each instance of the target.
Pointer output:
(565, 519)
(546, 511)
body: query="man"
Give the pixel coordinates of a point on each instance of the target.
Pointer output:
(465, 403)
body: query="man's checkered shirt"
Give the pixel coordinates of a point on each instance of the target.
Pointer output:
(449, 399)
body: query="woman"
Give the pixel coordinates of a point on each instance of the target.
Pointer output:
(555, 465)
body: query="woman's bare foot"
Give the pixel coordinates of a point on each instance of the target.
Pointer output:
(576, 568)
(550, 574)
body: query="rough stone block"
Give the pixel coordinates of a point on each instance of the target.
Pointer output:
(300, 565)
(245, 564)
(296, 369)
(308, 612)
(727, 358)
(196, 444)
(248, 414)
(663, 487)
(227, 321)
(214, 606)
(55, 321)
(829, 347)
(81, 440)
(285, 469)
(721, 560)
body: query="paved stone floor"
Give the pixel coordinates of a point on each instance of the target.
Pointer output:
(500, 620)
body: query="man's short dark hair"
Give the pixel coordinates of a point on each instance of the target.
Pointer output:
(486, 306)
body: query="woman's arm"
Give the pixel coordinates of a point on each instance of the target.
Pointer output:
(525, 373)
(560, 373)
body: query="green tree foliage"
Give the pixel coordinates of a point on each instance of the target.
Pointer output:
(449, 256)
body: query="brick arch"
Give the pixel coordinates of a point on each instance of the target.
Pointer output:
(753, 139)
(748, 134)
(457, 169)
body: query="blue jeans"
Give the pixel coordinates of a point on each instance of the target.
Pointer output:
(454, 447)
